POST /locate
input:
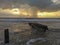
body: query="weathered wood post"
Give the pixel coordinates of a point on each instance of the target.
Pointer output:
(6, 36)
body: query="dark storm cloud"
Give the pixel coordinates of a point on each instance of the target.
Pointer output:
(9, 3)
(46, 5)
(42, 4)
(54, 7)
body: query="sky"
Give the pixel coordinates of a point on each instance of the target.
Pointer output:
(43, 5)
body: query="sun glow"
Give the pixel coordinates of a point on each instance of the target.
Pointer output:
(16, 11)
(39, 13)
(48, 14)
(29, 13)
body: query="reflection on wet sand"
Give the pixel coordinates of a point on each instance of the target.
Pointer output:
(21, 34)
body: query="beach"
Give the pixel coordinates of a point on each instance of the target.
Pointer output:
(20, 33)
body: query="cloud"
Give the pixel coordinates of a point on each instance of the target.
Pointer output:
(41, 4)
(55, 6)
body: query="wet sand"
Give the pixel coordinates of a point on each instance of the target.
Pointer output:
(21, 34)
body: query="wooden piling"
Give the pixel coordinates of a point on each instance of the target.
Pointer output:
(6, 36)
